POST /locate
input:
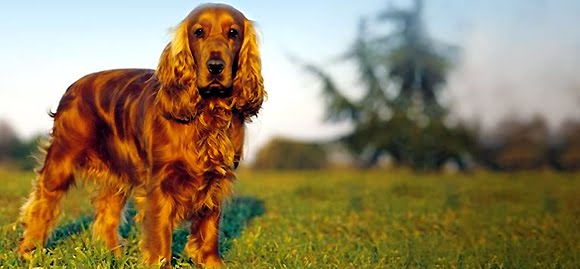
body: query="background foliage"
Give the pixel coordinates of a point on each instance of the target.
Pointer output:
(284, 154)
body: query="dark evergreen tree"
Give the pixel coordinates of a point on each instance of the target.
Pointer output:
(409, 123)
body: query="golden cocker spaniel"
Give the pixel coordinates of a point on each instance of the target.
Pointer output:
(169, 137)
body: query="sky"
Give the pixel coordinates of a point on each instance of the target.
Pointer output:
(518, 57)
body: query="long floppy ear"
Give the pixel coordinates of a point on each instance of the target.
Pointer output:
(248, 83)
(176, 72)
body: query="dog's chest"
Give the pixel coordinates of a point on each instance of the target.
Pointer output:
(194, 168)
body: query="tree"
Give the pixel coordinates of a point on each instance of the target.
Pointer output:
(8, 139)
(285, 154)
(410, 124)
(517, 144)
(15, 151)
(565, 154)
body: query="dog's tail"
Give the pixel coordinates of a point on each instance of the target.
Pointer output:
(43, 143)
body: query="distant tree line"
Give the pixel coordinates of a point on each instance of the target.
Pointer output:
(286, 154)
(517, 145)
(14, 151)
(512, 145)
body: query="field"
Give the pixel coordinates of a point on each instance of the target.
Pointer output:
(348, 219)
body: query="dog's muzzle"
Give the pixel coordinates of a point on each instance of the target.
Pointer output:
(215, 92)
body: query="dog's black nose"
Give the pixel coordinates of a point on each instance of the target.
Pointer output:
(215, 66)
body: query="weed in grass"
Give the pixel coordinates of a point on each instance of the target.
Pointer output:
(452, 199)
(550, 204)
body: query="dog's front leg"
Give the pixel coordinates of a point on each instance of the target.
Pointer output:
(203, 241)
(157, 229)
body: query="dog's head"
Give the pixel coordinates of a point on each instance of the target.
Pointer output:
(213, 56)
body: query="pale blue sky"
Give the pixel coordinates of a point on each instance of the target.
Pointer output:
(522, 50)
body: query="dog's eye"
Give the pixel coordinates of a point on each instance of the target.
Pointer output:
(198, 33)
(233, 33)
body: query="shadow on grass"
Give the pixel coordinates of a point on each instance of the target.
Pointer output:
(235, 216)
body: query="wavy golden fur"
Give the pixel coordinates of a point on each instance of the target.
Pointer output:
(169, 137)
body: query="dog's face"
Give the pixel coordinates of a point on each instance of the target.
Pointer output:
(216, 34)
(214, 59)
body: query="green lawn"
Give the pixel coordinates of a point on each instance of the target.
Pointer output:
(349, 219)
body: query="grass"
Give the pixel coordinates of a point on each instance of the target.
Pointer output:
(349, 219)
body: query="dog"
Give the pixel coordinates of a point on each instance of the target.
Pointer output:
(170, 138)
